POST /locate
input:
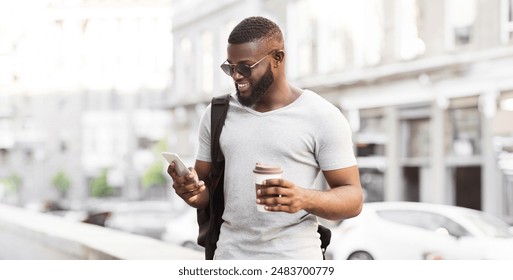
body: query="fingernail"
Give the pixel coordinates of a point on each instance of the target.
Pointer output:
(259, 192)
(258, 201)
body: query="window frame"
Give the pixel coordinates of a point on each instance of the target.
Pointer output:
(506, 21)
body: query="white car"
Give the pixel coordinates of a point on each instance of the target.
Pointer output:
(183, 230)
(148, 218)
(413, 230)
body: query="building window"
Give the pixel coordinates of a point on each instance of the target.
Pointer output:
(411, 181)
(460, 17)
(115, 101)
(370, 141)
(464, 131)
(410, 44)
(307, 40)
(63, 147)
(506, 21)
(335, 35)
(416, 137)
(503, 145)
(185, 76)
(4, 156)
(463, 127)
(373, 183)
(507, 197)
(207, 68)
(371, 138)
(221, 80)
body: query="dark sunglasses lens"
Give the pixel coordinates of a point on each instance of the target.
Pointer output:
(243, 69)
(226, 69)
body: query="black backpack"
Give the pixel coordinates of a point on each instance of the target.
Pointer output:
(210, 218)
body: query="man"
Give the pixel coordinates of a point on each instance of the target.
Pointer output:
(270, 121)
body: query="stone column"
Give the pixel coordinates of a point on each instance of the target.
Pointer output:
(432, 189)
(394, 189)
(491, 191)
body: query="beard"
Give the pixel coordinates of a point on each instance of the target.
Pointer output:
(259, 89)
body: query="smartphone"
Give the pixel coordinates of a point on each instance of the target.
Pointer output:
(180, 167)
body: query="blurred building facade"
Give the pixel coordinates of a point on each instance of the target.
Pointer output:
(425, 84)
(79, 84)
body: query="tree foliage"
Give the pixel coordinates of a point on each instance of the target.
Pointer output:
(12, 183)
(61, 182)
(154, 175)
(100, 186)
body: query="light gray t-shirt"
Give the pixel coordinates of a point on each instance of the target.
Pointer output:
(303, 137)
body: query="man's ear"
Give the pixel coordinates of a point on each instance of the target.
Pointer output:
(279, 55)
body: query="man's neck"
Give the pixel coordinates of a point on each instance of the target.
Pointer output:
(277, 97)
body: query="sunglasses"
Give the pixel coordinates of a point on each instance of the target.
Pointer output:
(243, 69)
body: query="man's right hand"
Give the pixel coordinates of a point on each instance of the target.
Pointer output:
(189, 187)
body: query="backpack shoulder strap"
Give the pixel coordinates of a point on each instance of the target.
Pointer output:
(214, 212)
(219, 111)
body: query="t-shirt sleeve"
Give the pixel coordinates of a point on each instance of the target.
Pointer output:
(334, 143)
(204, 137)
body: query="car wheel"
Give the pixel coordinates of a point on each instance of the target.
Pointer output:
(360, 255)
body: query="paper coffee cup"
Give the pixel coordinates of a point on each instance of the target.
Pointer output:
(264, 172)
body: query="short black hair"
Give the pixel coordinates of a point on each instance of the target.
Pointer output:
(254, 29)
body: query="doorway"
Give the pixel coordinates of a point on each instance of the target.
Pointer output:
(411, 183)
(467, 181)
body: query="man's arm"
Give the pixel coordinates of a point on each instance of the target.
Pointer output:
(343, 200)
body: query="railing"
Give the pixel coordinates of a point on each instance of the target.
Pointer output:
(30, 235)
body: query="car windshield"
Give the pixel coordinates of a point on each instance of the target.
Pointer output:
(489, 225)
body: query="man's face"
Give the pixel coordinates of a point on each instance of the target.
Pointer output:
(251, 88)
